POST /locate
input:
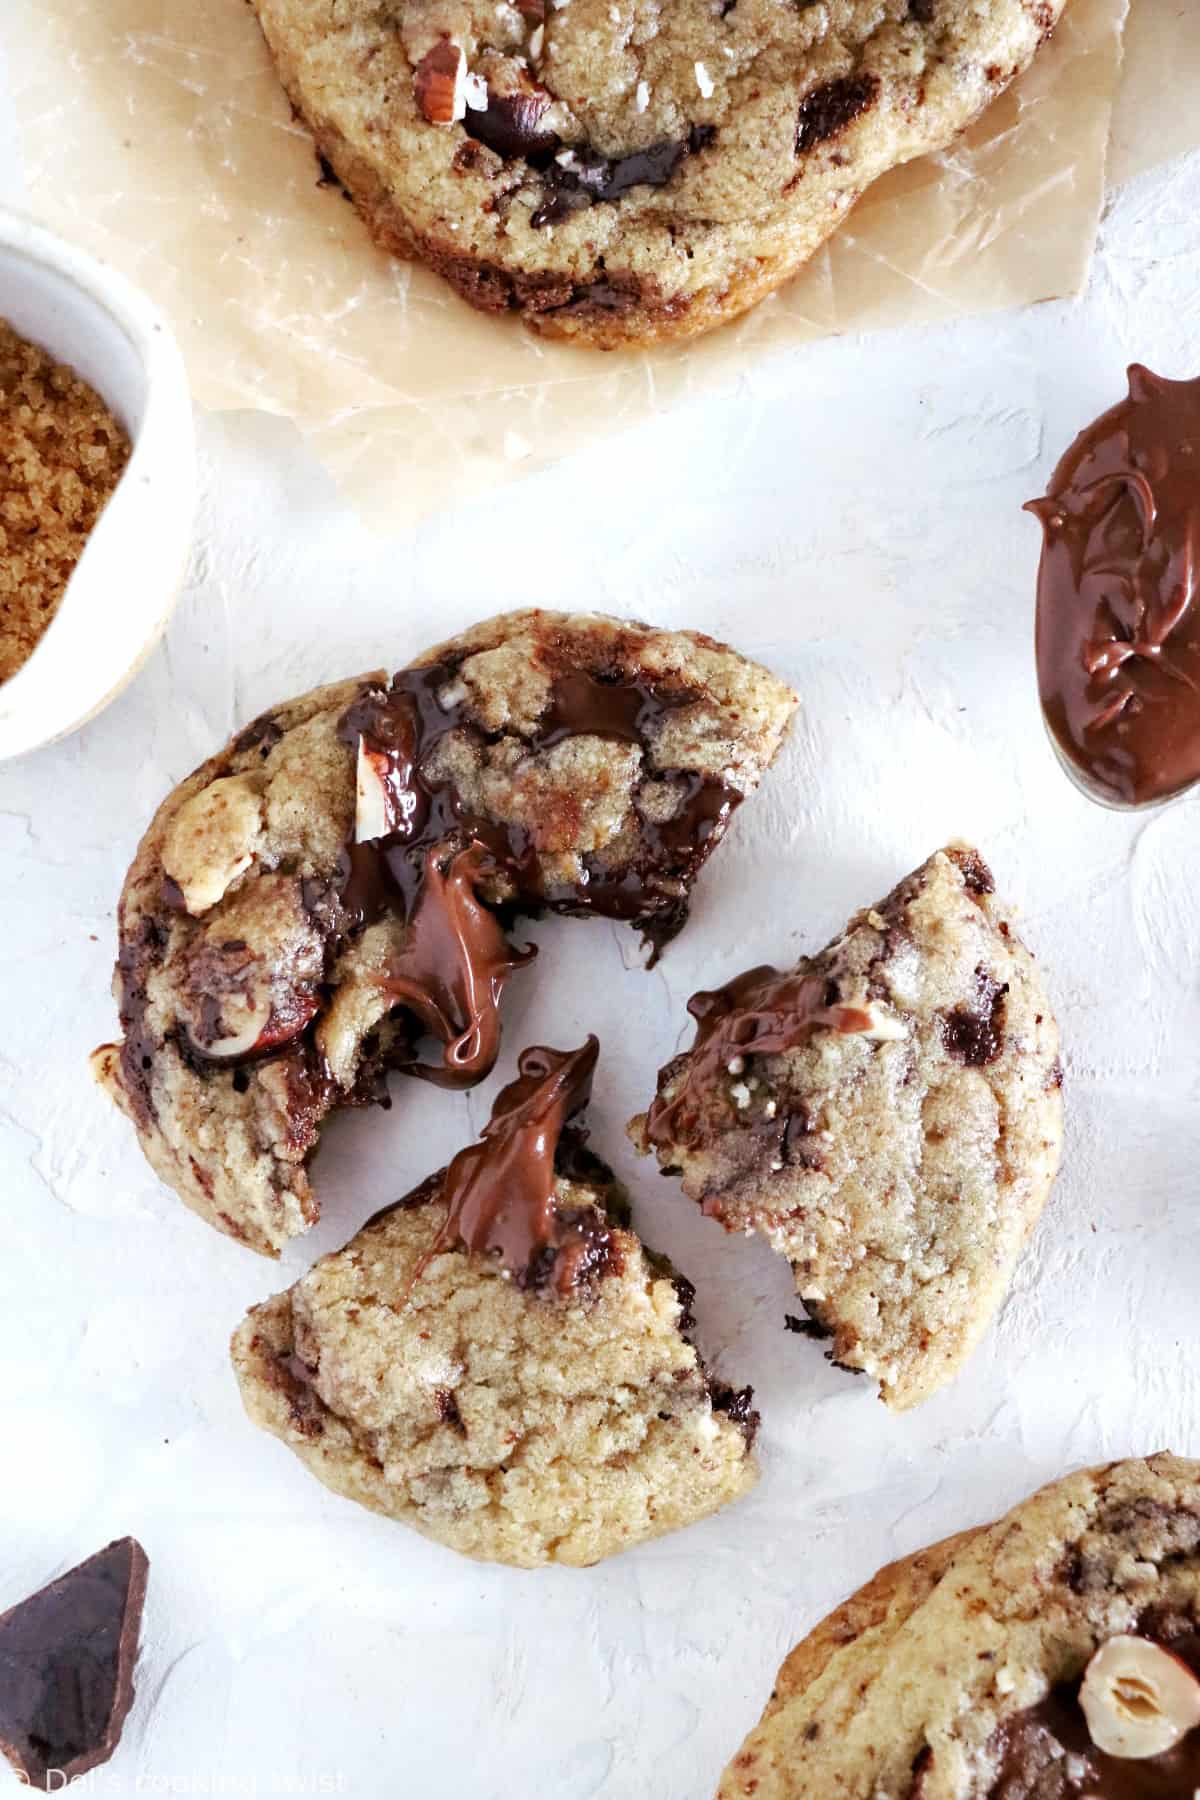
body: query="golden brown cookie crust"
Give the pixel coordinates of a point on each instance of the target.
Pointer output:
(764, 123)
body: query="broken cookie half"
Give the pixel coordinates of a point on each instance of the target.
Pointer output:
(497, 1361)
(328, 898)
(887, 1114)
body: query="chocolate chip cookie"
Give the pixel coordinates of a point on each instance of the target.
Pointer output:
(887, 1114)
(496, 1360)
(327, 898)
(618, 171)
(1052, 1656)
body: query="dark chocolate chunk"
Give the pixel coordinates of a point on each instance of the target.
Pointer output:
(975, 1034)
(510, 124)
(66, 1667)
(588, 177)
(827, 110)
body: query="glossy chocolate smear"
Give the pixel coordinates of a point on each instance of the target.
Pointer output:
(1047, 1753)
(760, 1013)
(66, 1668)
(1118, 615)
(501, 1191)
(429, 865)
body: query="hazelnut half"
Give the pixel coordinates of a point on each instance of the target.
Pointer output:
(248, 1025)
(1138, 1699)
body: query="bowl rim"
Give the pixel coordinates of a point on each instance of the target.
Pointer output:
(159, 480)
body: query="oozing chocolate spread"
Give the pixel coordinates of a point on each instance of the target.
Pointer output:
(760, 1013)
(1118, 613)
(66, 1667)
(1047, 1753)
(501, 1191)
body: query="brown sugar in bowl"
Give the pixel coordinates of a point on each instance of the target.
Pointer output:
(121, 590)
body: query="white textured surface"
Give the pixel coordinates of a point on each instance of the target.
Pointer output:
(851, 515)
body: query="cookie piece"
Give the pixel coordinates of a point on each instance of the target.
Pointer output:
(888, 1114)
(496, 1360)
(325, 899)
(619, 174)
(957, 1673)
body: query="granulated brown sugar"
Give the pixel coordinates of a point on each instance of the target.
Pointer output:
(61, 455)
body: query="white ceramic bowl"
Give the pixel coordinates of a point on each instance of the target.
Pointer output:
(126, 582)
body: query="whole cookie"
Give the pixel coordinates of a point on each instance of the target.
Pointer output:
(326, 898)
(496, 1361)
(619, 173)
(888, 1114)
(1054, 1655)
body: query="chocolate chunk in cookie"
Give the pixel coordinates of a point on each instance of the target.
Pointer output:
(887, 1114)
(496, 1360)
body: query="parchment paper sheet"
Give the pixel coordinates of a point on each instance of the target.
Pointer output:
(155, 132)
(1156, 115)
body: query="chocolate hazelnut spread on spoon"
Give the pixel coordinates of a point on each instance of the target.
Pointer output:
(1118, 612)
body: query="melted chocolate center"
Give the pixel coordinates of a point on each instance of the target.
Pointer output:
(760, 1013)
(438, 853)
(1118, 619)
(1047, 1753)
(501, 1191)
